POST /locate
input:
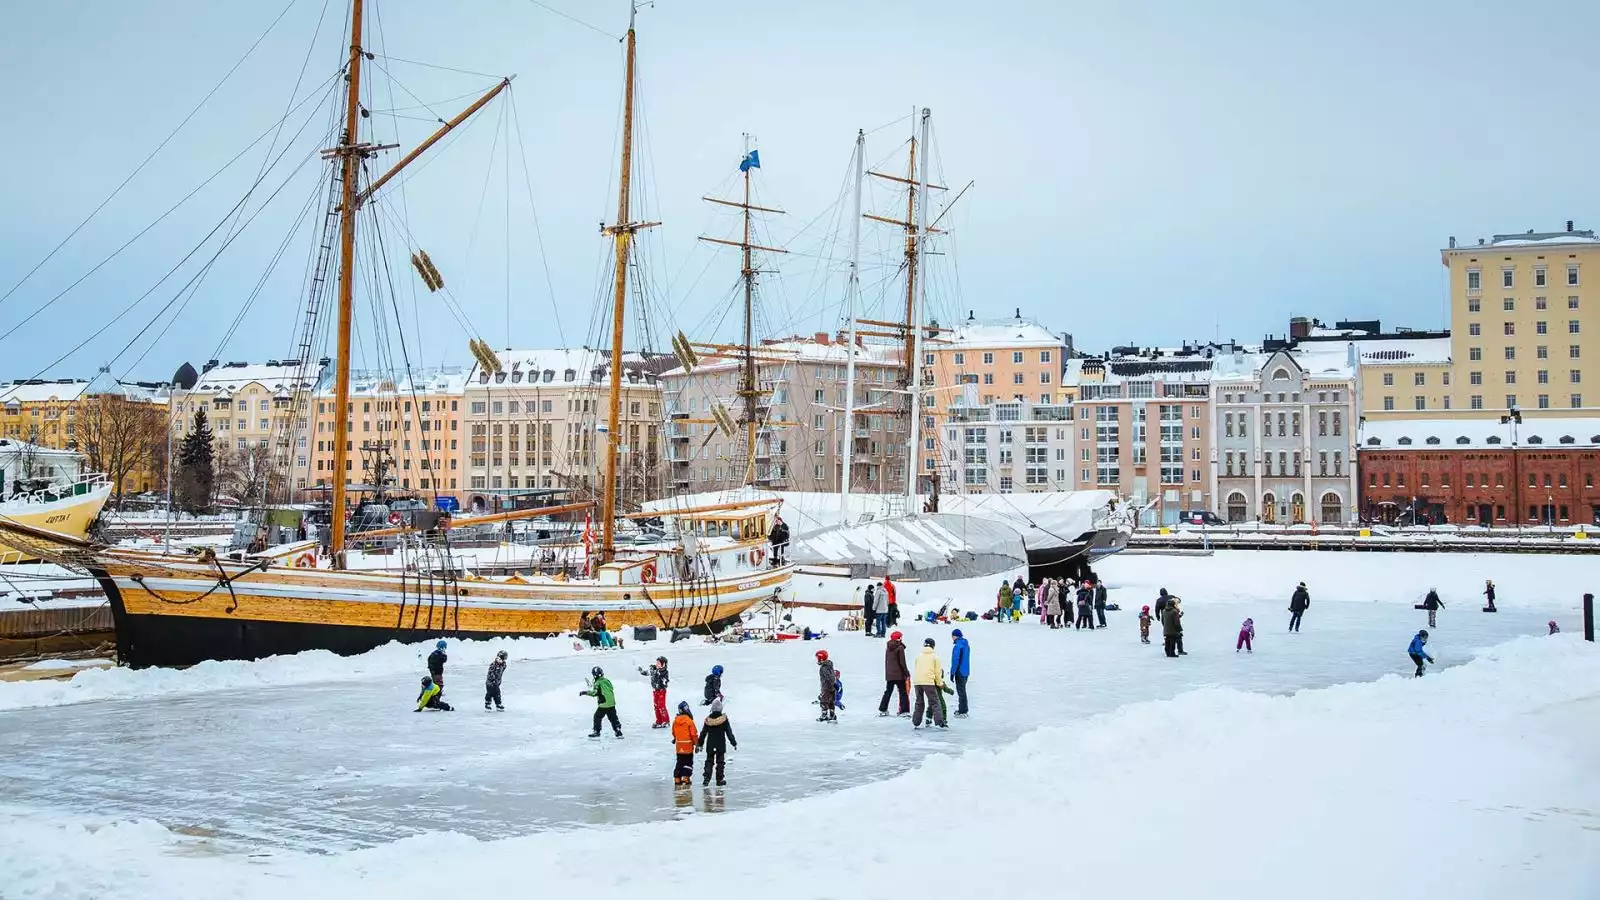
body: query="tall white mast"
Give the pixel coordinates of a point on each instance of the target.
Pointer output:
(851, 291)
(919, 291)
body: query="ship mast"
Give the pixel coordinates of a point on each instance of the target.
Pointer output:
(852, 290)
(621, 234)
(916, 306)
(350, 153)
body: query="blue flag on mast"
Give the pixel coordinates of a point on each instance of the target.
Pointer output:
(752, 160)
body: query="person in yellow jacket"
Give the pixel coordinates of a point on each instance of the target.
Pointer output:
(927, 679)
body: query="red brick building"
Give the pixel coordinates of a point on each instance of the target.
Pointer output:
(1467, 472)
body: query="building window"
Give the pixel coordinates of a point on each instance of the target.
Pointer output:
(1511, 401)
(1575, 376)
(1474, 280)
(1538, 276)
(1511, 328)
(1541, 303)
(988, 359)
(961, 358)
(1044, 356)
(1420, 402)
(1511, 353)
(1419, 379)
(1016, 356)
(1475, 377)
(1475, 401)
(1544, 401)
(1506, 280)
(1388, 403)
(1541, 352)
(1338, 423)
(1511, 376)
(1388, 379)
(1475, 353)
(1044, 377)
(1572, 280)
(1577, 401)
(1572, 326)
(1572, 352)
(1474, 329)
(1544, 376)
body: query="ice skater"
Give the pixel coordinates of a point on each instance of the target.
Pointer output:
(1488, 595)
(896, 675)
(1247, 636)
(1002, 603)
(827, 683)
(684, 740)
(927, 678)
(838, 689)
(605, 702)
(436, 661)
(1417, 651)
(713, 686)
(491, 682)
(960, 669)
(868, 613)
(1297, 605)
(880, 611)
(1554, 628)
(716, 736)
(1432, 604)
(1144, 625)
(1171, 626)
(1100, 602)
(658, 689)
(1086, 606)
(431, 698)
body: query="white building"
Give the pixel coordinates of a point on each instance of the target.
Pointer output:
(1004, 448)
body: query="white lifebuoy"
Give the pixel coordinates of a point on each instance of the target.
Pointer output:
(396, 520)
(307, 560)
(648, 573)
(757, 555)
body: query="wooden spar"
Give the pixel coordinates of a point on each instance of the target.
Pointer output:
(622, 236)
(888, 221)
(911, 272)
(696, 510)
(743, 205)
(712, 240)
(514, 515)
(887, 177)
(347, 244)
(434, 138)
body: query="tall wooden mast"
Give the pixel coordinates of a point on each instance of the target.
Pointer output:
(349, 158)
(622, 236)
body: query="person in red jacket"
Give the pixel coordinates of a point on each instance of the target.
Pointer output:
(894, 607)
(684, 738)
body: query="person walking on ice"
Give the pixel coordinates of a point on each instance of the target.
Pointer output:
(1247, 634)
(716, 736)
(684, 740)
(658, 689)
(960, 669)
(1171, 626)
(927, 677)
(605, 702)
(896, 675)
(491, 683)
(1144, 625)
(1488, 596)
(1418, 652)
(827, 683)
(1297, 605)
(1432, 604)
(713, 686)
(436, 661)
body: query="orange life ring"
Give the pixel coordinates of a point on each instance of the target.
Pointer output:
(757, 555)
(307, 560)
(395, 519)
(648, 573)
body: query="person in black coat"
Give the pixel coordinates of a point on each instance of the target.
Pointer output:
(1100, 603)
(1488, 594)
(1086, 607)
(1297, 606)
(869, 615)
(716, 736)
(436, 661)
(1161, 604)
(1432, 604)
(779, 536)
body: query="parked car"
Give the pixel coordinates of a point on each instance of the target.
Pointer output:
(1200, 517)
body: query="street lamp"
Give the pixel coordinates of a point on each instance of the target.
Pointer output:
(1512, 419)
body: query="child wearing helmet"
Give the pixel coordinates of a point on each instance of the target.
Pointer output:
(716, 737)
(684, 738)
(436, 661)
(605, 702)
(828, 682)
(658, 689)
(430, 697)
(713, 686)
(491, 685)
(1144, 625)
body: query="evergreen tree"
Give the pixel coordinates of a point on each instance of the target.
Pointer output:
(196, 474)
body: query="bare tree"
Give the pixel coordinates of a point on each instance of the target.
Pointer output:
(121, 437)
(245, 474)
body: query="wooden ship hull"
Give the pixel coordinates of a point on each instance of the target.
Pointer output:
(69, 516)
(181, 613)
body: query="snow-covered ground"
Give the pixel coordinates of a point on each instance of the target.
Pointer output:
(1092, 764)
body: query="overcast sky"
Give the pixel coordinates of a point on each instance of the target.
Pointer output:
(1143, 172)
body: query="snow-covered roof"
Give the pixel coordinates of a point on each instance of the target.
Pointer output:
(527, 367)
(229, 378)
(34, 390)
(996, 335)
(1403, 352)
(1329, 360)
(445, 380)
(10, 447)
(1437, 434)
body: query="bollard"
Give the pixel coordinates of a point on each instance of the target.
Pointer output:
(1588, 617)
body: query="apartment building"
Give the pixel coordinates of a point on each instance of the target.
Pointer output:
(1525, 311)
(1014, 360)
(252, 408)
(1007, 447)
(413, 422)
(119, 428)
(800, 446)
(1404, 372)
(539, 425)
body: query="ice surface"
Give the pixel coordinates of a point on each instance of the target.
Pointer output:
(322, 754)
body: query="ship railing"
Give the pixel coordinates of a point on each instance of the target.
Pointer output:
(62, 489)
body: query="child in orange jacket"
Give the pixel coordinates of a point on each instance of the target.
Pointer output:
(684, 736)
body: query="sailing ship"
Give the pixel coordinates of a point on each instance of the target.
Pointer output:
(174, 610)
(66, 500)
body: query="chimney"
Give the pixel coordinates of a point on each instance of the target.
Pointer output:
(210, 364)
(1299, 327)
(1019, 314)
(1569, 225)
(1480, 242)
(971, 316)
(821, 337)
(1453, 241)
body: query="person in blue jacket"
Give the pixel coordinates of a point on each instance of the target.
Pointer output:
(960, 668)
(1417, 651)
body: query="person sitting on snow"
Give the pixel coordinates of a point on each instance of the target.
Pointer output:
(431, 698)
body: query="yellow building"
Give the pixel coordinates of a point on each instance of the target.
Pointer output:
(1525, 327)
(416, 419)
(259, 415)
(118, 430)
